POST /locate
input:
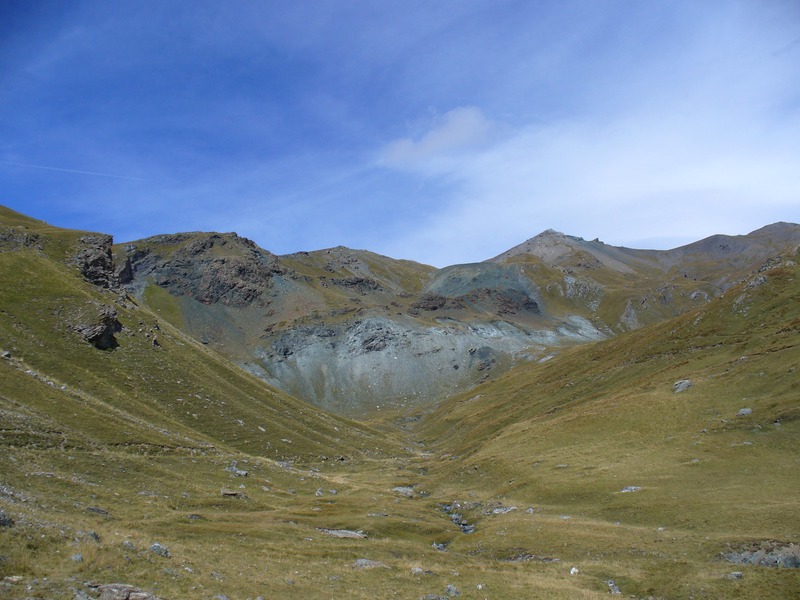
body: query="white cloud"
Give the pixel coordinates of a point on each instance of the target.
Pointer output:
(627, 181)
(458, 131)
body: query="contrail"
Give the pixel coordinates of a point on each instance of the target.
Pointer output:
(16, 164)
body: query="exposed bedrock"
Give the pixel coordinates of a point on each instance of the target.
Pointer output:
(378, 362)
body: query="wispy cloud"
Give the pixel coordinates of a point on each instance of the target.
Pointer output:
(75, 171)
(463, 129)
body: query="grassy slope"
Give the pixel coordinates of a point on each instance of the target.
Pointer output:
(568, 435)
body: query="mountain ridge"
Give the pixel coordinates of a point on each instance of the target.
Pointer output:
(328, 325)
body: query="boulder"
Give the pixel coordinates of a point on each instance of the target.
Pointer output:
(160, 549)
(680, 386)
(5, 519)
(99, 327)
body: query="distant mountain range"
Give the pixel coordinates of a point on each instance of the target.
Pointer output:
(351, 330)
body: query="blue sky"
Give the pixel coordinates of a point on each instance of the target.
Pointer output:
(439, 131)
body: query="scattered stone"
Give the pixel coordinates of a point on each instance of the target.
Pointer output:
(5, 519)
(744, 412)
(5, 354)
(502, 510)
(439, 547)
(433, 597)
(80, 595)
(767, 554)
(78, 558)
(365, 563)
(233, 493)
(160, 549)
(121, 591)
(128, 545)
(613, 589)
(630, 488)
(574, 571)
(735, 575)
(98, 511)
(681, 385)
(452, 591)
(404, 490)
(343, 533)
(232, 468)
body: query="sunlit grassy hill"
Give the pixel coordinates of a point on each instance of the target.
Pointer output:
(632, 479)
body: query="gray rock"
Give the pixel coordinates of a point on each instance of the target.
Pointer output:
(78, 558)
(232, 468)
(80, 595)
(5, 519)
(440, 547)
(613, 589)
(343, 533)
(99, 328)
(767, 554)
(122, 591)
(94, 260)
(160, 549)
(744, 412)
(452, 591)
(503, 510)
(630, 488)
(735, 575)
(681, 385)
(365, 563)
(128, 545)
(404, 490)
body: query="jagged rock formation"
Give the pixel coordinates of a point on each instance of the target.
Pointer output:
(94, 261)
(99, 326)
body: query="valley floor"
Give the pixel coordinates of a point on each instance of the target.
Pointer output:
(416, 525)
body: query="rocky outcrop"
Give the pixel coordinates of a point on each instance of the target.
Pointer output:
(12, 238)
(94, 260)
(766, 554)
(98, 326)
(211, 268)
(122, 591)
